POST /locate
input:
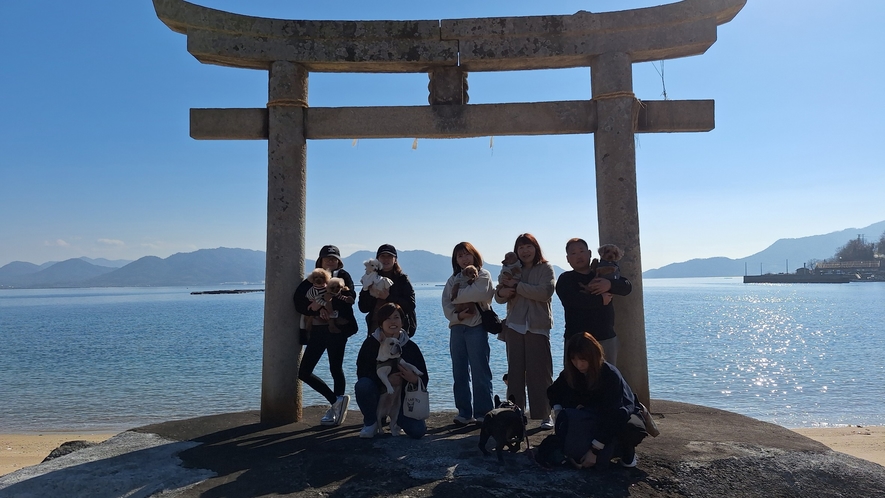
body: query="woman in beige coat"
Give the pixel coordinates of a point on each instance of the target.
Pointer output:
(527, 328)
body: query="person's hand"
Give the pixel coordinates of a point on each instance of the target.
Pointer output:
(588, 460)
(396, 378)
(506, 292)
(324, 314)
(383, 295)
(464, 314)
(314, 306)
(509, 281)
(345, 298)
(408, 375)
(606, 298)
(599, 286)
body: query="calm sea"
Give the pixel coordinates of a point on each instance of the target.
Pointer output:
(798, 355)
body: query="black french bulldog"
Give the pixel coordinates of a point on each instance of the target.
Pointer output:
(506, 424)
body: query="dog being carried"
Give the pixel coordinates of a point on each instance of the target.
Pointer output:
(389, 353)
(320, 278)
(464, 278)
(609, 255)
(372, 280)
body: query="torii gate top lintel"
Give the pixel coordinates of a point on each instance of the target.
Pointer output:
(668, 31)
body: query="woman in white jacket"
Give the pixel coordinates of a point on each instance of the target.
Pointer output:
(468, 342)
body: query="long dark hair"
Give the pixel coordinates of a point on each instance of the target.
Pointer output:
(468, 247)
(527, 238)
(585, 347)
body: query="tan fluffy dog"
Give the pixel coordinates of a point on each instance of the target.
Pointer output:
(609, 255)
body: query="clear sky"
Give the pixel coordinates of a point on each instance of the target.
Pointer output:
(95, 157)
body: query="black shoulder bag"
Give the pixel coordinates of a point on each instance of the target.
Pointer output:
(490, 321)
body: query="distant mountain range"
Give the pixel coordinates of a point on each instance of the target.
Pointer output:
(224, 266)
(774, 259)
(206, 267)
(203, 267)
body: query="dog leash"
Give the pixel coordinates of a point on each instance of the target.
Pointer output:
(528, 444)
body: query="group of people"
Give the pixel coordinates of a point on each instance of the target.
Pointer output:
(589, 384)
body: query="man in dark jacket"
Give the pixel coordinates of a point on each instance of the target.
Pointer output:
(586, 299)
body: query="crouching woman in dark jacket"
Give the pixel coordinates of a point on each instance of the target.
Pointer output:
(597, 414)
(369, 388)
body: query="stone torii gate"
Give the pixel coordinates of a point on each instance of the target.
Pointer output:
(608, 43)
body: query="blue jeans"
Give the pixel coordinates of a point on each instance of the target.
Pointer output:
(367, 396)
(469, 347)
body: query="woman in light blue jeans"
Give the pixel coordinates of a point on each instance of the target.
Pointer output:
(468, 290)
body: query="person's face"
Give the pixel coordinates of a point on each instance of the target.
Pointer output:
(392, 326)
(330, 263)
(387, 260)
(526, 253)
(465, 259)
(578, 256)
(581, 364)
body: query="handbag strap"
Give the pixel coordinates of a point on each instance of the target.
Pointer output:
(419, 387)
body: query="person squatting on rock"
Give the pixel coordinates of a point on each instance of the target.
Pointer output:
(527, 329)
(598, 416)
(327, 332)
(462, 298)
(369, 388)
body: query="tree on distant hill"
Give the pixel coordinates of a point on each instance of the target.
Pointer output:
(856, 250)
(880, 248)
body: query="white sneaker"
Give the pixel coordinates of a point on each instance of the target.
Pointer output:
(329, 417)
(632, 464)
(479, 420)
(368, 431)
(459, 420)
(547, 423)
(340, 407)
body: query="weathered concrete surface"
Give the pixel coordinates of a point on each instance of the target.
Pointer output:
(700, 452)
(617, 205)
(668, 31)
(452, 121)
(286, 207)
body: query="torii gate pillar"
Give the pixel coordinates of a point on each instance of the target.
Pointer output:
(286, 208)
(611, 81)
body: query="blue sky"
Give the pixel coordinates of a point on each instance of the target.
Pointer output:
(95, 157)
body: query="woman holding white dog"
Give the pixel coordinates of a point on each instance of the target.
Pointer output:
(322, 337)
(400, 292)
(468, 342)
(527, 328)
(369, 387)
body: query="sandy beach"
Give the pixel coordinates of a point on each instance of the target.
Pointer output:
(24, 450)
(867, 442)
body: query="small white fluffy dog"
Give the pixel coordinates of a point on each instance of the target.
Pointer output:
(388, 357)
(388, 404)
(373, 279)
